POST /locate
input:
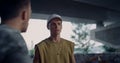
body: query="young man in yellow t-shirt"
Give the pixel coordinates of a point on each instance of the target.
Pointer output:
(54, 49)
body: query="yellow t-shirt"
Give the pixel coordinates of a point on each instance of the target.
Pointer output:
(50, 52)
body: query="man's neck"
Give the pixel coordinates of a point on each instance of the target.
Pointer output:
(13, 24)
(55, 38)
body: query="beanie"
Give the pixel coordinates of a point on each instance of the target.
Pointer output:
(52, 17)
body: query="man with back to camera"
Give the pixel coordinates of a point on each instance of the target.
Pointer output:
(54, 49)
(15, 16)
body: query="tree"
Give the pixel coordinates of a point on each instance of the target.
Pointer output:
(31, 53)
(109, 49)
(81, 36)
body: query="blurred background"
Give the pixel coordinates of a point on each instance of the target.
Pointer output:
(93, 25)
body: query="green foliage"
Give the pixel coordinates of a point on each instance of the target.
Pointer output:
(109, 49)
(31, 52)
(81, 32)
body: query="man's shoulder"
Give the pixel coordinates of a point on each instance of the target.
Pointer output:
(67, 41)
(4, 29)
(4, 33)
(8, 35)
(42, 43)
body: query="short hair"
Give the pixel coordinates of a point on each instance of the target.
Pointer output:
(10, 8)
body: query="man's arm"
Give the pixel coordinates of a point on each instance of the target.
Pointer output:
(18, 52)
(73, 59)
(18, 57)
(13, 49)
(37, 55)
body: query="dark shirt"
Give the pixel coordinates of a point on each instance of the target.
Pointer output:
(12, 46)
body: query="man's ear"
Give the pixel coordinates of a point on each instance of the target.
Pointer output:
(48, 27)
(24, 15)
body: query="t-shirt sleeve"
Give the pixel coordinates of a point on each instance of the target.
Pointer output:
(37, 55)
(72, 47)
